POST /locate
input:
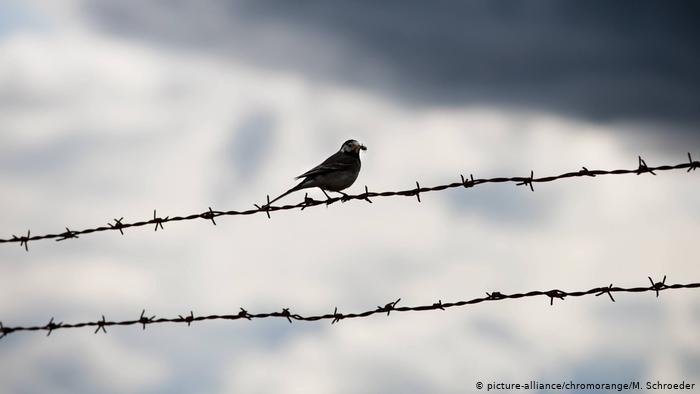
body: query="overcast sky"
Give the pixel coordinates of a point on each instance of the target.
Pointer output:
(116, 108)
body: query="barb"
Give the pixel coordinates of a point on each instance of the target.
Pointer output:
(102, 323)
(528, 181)
(585, 172)
(187, 319)
(658, 285)
(266, 208)
(365, 196)
(607, 291)
(244, 314)
(388, 307)
(52, 326)
(644, 168)
(693, 164)
(467, 183)
(310, 202)
(158, 221)
(118, 225)
(210, 216)
(336, 317)
(417, 191)
(68, 234)
(23, 241)
(145, 319)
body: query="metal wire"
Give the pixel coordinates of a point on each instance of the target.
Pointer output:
(335, 317)
(119, 225)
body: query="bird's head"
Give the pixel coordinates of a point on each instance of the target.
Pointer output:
(352, 146)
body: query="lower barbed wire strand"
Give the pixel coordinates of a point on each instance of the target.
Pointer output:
(336, 316)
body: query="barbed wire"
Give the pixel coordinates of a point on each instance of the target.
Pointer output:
(336, 316)
(119, 225)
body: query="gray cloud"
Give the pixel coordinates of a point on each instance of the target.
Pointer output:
(510, 207)
(609, 368)
(250, 143)
(597, 60)
(51, 157)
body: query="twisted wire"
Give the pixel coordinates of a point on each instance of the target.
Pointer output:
(210, 214)
(145, 320)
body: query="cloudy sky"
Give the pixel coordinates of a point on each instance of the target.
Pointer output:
(115, 108)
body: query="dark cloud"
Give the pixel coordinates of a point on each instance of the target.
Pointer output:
(600, 60)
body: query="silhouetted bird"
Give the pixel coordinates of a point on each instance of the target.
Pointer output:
(338, 172)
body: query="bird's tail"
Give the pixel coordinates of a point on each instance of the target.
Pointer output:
(300, 186)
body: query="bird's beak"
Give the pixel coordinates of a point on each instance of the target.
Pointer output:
(362, 147)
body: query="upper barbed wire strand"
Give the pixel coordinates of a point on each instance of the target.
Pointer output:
(119, 225)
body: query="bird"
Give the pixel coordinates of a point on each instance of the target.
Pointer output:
(336, 173)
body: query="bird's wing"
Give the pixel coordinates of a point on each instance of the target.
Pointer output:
(337, 162)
